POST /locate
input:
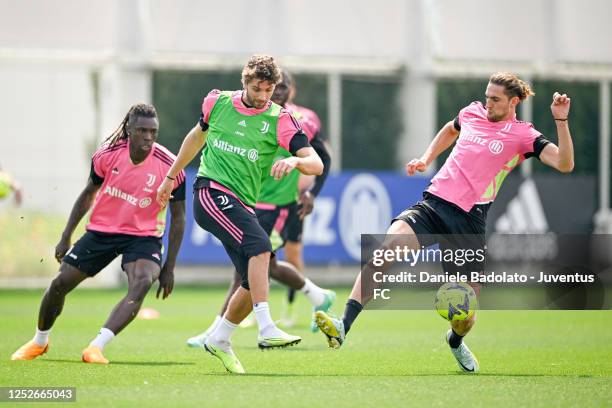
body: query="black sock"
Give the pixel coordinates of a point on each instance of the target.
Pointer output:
(291, 295)
(351, 311)
(455, 340)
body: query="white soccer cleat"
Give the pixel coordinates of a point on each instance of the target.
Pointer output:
(465, 358)
(280, 339)
(328, 301)
(199, 340)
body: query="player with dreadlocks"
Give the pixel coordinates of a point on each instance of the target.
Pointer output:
(126, 219)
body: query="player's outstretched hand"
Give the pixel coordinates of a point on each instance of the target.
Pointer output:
(164, 192)
(415, 165)
(560, 106)
(283, 167)
(166, 282)
(306, 203)
(61, 248)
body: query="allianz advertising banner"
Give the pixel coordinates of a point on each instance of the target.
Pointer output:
(349, 205)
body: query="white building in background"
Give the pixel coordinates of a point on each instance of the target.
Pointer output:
(69, 69)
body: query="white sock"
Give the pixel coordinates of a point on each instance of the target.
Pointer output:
(315, 294)
(264, 320)
(41, 337)
(103, 337)
(213, 326)
(223, 331)
(220, 337)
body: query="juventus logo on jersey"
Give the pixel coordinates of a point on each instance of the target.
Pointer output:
(150, 179)
(223, 200)
(505, 129)
(265, 127)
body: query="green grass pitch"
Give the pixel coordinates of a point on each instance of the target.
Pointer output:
(391, 358)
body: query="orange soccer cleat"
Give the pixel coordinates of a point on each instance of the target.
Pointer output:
(93, 354)
(29, 351)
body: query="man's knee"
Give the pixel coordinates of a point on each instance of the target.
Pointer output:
(140, 285)
(66, 280)
(59, 286)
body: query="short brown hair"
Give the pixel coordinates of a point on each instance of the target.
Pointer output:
(513, 85)
(262, 67)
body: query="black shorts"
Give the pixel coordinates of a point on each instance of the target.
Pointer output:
(233, 223)
(437, 221)
(95, 250)
(276, 223)
(295, 226)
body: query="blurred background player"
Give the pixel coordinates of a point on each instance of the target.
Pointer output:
(239, 133)
(276, 206)
(125, 219)
(308, 189)
(8, 185)
(491, 143)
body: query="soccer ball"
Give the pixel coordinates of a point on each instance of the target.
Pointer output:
(456, 301)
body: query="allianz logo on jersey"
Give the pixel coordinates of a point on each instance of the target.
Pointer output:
(251, 154)
(115, 192)
(495, 146)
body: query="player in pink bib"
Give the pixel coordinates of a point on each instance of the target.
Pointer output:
(308, 189)
(125, 219)
(489, 143)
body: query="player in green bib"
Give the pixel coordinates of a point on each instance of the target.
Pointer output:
(276, 206)
(278, 210)
(240, 133)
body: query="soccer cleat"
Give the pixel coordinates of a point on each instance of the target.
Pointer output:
(93, 355)
(29, 351)
(466, 360)
(229, 359)
(332, 328)
(199, 340)
(281, 340)
(330, 297)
